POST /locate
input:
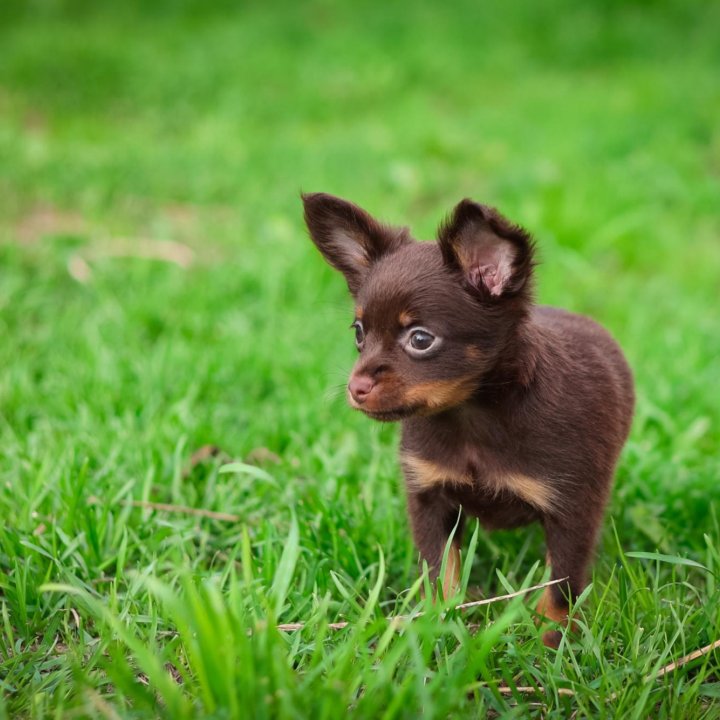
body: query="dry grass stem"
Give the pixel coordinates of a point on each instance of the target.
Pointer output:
(291, 627)
(170, 507)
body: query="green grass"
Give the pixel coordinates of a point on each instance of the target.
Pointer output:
(594, 124)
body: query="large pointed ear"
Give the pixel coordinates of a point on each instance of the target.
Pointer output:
(349, 239)
(494, 255)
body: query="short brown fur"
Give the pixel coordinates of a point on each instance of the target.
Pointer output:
(511, 413)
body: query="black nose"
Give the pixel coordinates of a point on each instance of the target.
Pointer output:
(360, 387)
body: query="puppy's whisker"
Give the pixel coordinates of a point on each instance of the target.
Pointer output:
(334, 392)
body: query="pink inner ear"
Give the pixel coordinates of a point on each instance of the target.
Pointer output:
(487, 260)
(491, 263)
(491, 266)
(491, 278)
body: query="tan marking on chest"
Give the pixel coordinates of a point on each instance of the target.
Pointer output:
(532, 491)
(425, 474)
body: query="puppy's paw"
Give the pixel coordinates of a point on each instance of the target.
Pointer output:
(549, 609)
(552, 638)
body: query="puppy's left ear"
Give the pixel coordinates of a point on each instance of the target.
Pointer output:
(494, 255)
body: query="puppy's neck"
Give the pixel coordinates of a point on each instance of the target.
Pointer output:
(515, 367)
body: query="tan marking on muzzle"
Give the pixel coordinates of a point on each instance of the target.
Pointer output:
(437, 394)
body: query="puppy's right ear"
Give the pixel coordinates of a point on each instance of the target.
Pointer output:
(349, 239)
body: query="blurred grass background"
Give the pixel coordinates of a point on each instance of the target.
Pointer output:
(596, 125)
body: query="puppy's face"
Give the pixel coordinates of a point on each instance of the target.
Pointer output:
(430, 318)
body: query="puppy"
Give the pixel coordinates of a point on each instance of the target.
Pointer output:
(510, 412)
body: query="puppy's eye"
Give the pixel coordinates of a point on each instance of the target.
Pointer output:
(359, 333)
(419, 341)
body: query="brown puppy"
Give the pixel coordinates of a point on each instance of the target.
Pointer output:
(511, 412)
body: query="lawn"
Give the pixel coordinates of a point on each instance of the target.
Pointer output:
(159, 294)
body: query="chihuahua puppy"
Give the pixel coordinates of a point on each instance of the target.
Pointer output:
(510, 412)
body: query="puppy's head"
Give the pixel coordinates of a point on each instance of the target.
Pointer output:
(432, 320)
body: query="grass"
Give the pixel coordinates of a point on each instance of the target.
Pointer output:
(593, 124)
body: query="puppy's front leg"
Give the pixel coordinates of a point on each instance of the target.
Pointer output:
(570, 546)
(432, 518)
